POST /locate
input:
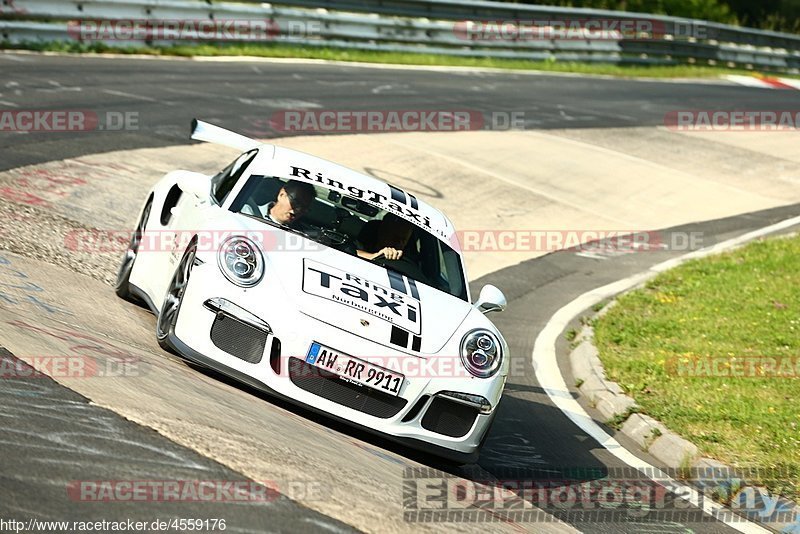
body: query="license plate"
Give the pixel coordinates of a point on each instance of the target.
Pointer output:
(354, 369)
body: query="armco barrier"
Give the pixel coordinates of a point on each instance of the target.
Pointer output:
(429, 26)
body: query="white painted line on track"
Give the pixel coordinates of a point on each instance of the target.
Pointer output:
(135, 97)
(545, 365)
(790, 82)
(9, 55)
(192, 93)
(591, 255)
(748, 81)
(286, 103)
(764, 83)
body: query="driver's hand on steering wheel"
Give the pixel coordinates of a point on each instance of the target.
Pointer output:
(389, 253)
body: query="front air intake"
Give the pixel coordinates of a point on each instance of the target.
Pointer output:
(414, 411)
(238, 338)
(449, 418)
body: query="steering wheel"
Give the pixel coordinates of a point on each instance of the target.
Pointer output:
(404, 265)
(337, 240)
(332, 237)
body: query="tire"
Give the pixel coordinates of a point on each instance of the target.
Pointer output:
(168, 316)
(122, 287)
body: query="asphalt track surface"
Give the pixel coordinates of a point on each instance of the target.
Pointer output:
(530, 436)
(53, 437)
(244, 96)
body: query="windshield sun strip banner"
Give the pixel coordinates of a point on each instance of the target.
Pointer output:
(397, 194)
(397, 202)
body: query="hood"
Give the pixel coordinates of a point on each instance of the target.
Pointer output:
(360, 297)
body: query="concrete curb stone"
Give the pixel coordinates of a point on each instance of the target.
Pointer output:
(714, 479)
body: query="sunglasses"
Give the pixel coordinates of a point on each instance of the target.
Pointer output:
(298, 207)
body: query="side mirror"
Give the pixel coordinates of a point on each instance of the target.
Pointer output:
(195, 185)
(491, 299)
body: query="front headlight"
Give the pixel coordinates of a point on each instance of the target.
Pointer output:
(241, 262)
(481, 353)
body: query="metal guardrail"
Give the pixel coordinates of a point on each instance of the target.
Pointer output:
(492, 10)
(428, 26)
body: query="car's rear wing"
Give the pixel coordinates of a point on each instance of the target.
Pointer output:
(203, 131)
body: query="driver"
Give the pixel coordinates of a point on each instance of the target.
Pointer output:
(292, 202)
(393, 236)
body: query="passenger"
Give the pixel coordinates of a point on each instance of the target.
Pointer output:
(389, 239)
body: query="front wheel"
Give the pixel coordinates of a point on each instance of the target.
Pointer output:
(122, 287)
(172, 300)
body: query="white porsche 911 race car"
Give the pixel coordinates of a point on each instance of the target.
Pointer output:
(277, 272)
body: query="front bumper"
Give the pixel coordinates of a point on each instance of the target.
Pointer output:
(277, 340)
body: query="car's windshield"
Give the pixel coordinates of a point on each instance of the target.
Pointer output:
(353, 226)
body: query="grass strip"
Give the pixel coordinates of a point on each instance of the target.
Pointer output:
(695, 348)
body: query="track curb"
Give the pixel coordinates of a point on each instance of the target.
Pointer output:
(652, 436)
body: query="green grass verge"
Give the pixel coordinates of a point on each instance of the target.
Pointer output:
(739, 305)
(398, 58)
